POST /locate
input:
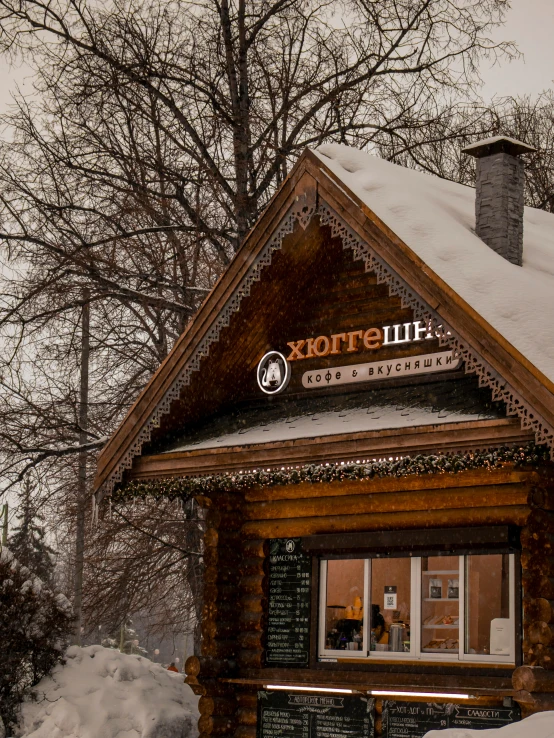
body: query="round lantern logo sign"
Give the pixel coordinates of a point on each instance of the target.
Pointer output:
(273, 373)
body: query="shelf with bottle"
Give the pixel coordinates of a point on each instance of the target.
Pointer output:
(441, 571)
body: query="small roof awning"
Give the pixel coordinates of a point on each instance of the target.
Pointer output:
(373, 410)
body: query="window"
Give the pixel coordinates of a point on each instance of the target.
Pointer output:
(434, 608)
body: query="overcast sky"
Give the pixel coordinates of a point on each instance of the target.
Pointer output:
(530, 23)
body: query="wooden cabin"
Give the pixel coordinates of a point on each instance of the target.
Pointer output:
(364, 407)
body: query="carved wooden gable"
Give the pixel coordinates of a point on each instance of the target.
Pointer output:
(324, 282)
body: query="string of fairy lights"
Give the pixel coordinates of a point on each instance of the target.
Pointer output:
(187, 487)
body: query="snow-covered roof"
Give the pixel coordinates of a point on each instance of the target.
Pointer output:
(436, 219)
(332, 423)
(361, 412)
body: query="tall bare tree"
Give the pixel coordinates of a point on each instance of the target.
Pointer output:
(157, 133)
(146, 558)
(439, 149)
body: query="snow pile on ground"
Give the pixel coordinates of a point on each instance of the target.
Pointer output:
(436, 219)
(102, 693)
(540, 725)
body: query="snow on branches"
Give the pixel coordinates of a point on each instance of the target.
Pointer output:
(34, 622)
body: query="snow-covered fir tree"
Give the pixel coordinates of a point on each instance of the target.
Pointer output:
(28, 539)
(126, 640)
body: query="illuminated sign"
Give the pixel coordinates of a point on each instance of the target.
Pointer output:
(274, 370)
(378, 370)
(352, 341)
(273, 373)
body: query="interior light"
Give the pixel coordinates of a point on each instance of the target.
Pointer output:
(308, 689)
(445, 695)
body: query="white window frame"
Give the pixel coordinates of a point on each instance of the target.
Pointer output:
(415, 654)
(489, 658)
(332, 653)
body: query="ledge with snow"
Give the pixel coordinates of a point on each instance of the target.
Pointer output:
(364, 409)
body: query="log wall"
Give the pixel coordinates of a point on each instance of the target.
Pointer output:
(235, 608)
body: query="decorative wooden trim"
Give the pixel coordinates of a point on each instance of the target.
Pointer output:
(193, 364)
(474, 364)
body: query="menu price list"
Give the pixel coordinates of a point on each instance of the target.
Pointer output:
(289, 715)
(415, 719)
(288, 627)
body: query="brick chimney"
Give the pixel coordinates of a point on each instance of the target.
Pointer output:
(499, 194)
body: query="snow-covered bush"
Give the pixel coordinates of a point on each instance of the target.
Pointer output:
(34, 625)
(101, 693)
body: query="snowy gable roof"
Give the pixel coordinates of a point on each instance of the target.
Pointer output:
(436, 219)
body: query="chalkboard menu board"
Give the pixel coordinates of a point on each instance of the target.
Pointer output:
(290, 715)
(288, 629)
(414, 719)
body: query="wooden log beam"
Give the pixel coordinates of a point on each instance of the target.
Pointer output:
(251, 603)
(215, 725)
(537, 561)
(197, 688)
(250, 659)
(247, 716)
(511, 515)
(388, 503)
(248, 699)
(255, 549)
(208, 705)
(216, 649)
(207, 667)
(537, 540)
(210, 574)
(245, 731)
(252, 621)
(538, 609)
(542, 497)
(541, 521)
(219, 629)
(533, 679)
(211, 538)
(539, 655)
(223, 610)
(534, 702)
(538, 585)
(211, 556)
(251, 640)
(475, 478)
(256, 584)
(539, 632)
(253, 566)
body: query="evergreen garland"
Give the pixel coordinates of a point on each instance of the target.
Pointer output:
(187, 487)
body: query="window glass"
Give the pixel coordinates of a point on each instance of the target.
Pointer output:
(487, 604)
(440, 599)
(390, 604)
(344, 606)
(451, 608)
